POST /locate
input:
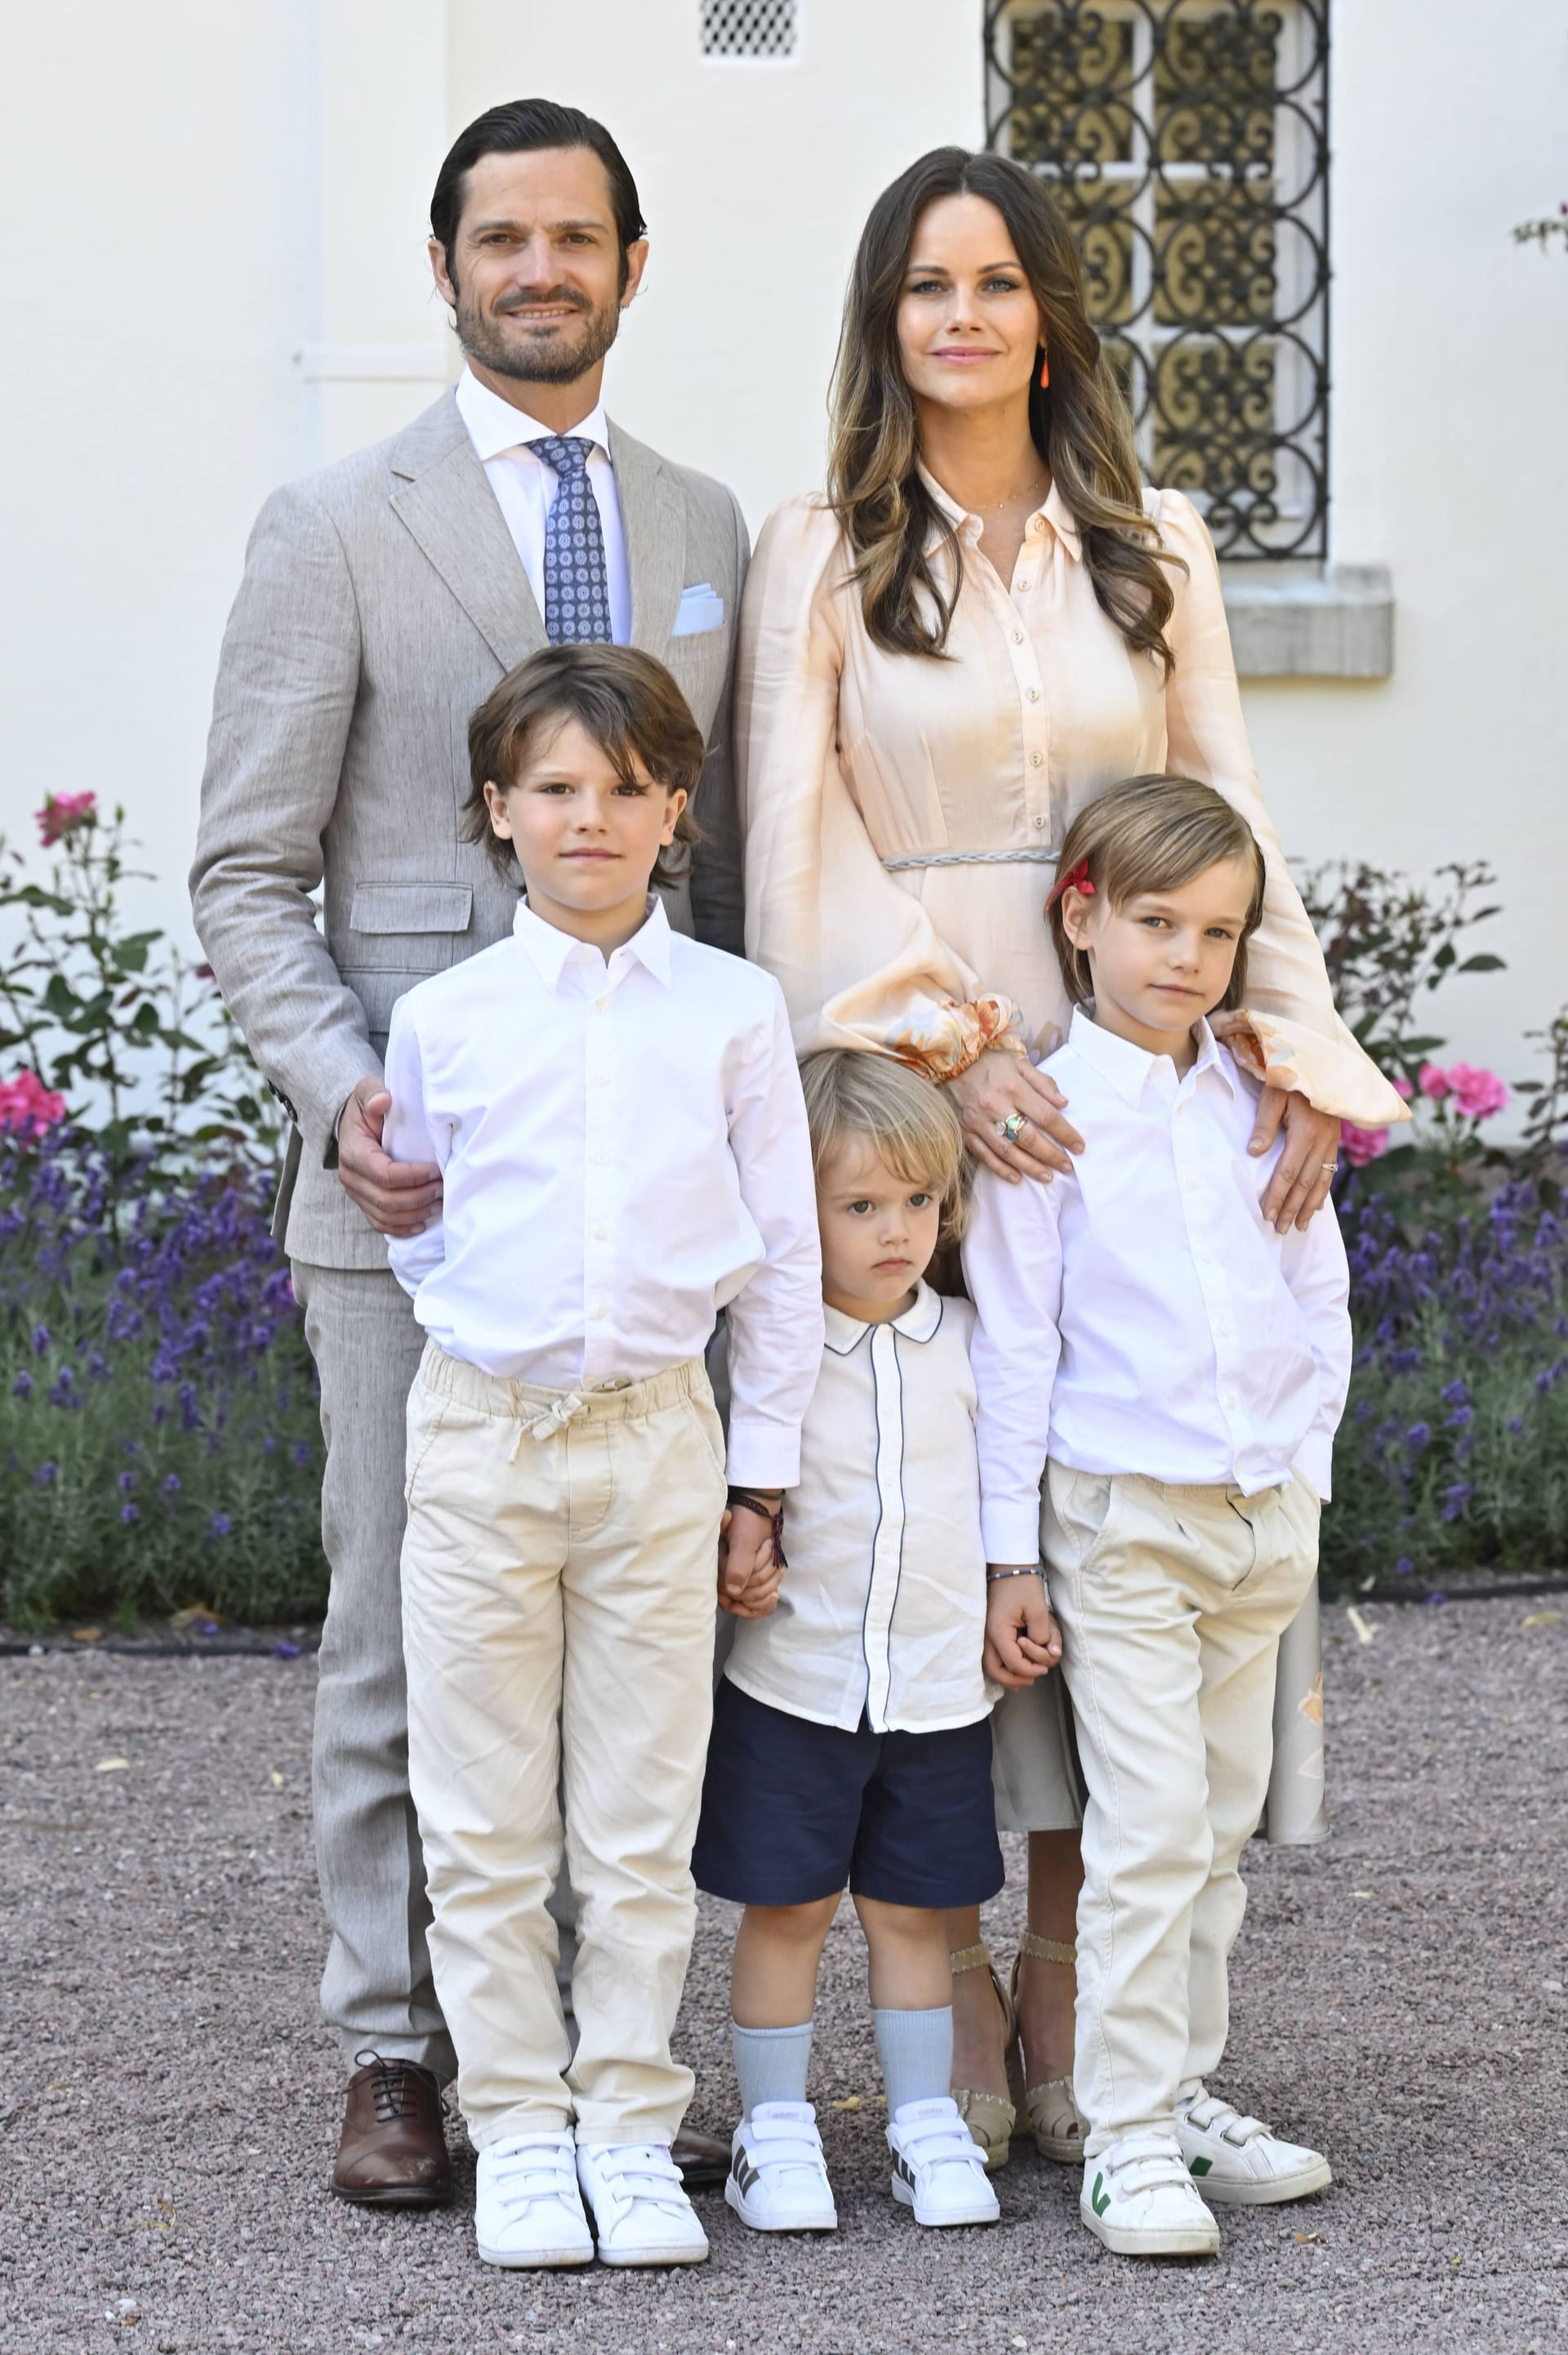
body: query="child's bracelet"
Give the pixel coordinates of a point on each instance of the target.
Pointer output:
(772, 1513)
(992, 1576)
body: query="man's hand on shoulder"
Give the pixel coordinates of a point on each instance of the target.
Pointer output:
(398, 1197)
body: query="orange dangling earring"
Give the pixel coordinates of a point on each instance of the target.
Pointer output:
(1045, 370)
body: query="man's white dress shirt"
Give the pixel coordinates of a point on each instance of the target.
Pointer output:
(525, 488)
(1142, 1314)
(881, 1609)
(625, 1152)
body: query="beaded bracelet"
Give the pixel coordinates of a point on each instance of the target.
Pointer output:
(992, 1576)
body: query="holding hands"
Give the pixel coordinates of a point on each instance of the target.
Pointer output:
(751, 1558)
(1022, 1641)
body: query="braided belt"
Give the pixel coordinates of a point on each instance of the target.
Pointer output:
(1028, 857)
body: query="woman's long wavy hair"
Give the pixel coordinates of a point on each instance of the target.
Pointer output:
(1080, 424)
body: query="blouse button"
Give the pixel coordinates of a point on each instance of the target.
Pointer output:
(1035, 759)
(1026, 582)
(1035, 695)
(1039, 821)
(1018, 637)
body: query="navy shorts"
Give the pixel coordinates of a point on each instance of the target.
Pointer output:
(792, 1811)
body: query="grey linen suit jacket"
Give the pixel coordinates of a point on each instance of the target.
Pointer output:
(381, 601)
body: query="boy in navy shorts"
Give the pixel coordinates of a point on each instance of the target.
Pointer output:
(852, 1733)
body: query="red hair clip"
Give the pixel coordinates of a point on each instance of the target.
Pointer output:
(1078, 881)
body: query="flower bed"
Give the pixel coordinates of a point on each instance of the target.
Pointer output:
(159, 1440)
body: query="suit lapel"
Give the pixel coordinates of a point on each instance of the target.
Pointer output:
(653, 517)
(440, 493)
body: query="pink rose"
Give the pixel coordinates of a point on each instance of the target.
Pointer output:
(27, 1108)
(1433, 1082)
(1477, 1093)
(1360, 1145)
(1403, 1088)
(64, 814)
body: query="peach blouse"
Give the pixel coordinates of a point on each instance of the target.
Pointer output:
(903, 815)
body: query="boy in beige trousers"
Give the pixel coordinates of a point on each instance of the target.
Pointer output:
(618, 1118)
(1183, 1369)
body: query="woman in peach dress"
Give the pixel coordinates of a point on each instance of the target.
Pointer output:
(984, 622)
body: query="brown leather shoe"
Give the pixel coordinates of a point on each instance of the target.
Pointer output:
(702, 2159)
(393, 2151)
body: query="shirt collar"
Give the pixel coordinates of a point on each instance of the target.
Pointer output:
(551, 951)
(1054, 508)
(1131, 1069)
(918, 1322)
(494, 426)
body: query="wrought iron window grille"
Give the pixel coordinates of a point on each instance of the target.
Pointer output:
(1189, 143)
(749, 28)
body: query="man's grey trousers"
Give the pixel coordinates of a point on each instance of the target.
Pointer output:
(377, 1990)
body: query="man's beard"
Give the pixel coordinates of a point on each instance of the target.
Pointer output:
(556, 358)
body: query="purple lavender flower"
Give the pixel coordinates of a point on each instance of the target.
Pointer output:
(127, 1482)
(46, 1475)
(221, 1525)
(130, 1512)
(172, 1484)
(1455, 1500)
(1418, 1436)
(41, 1340)
(1403, 1566)
(22, 1387)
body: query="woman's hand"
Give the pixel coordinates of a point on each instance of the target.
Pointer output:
(1022, 1641)
(1299, 1185)
(997, 1085)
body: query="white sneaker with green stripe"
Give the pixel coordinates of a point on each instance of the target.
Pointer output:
(1139, 2200)
(1240, 2160)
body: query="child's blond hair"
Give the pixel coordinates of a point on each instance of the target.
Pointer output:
(1153, 834)
(908, 1122)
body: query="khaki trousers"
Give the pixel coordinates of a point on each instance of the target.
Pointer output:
(1172, 1602)
(377, 1990)
(558, 1585)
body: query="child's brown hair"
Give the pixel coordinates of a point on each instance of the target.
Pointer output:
(908, 1120)
(1153, 834)
(625, 701)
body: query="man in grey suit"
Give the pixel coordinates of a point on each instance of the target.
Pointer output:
(381, 601)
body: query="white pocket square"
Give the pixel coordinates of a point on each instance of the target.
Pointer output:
(701, 608)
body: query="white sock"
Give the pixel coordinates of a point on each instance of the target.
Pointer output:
(771, 2064)
(915, 2050)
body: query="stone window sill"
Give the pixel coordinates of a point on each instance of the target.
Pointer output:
(1330, 621)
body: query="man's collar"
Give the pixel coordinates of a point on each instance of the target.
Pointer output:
(495, 425)
(918, 1322)
(552, 950)
(1054, 507)
(1130, 1069)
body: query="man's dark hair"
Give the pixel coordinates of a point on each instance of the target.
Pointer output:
(623, 698)
(517, 128)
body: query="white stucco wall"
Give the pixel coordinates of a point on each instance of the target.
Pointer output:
(1450, 430)
(217, 279)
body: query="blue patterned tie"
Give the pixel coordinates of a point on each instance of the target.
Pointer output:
(577, 586)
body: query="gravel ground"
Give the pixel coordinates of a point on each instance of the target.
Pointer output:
(169, 2103)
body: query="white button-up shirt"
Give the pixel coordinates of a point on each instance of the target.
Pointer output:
(882, 1608)
(1141, 1315)
(525, 488)
(625, 1152)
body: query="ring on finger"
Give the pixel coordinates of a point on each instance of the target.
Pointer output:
(1013, 1126)
(1329, 1167)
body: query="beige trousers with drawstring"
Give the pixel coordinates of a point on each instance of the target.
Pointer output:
(558, 1578)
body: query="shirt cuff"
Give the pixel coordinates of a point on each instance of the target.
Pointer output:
(1335, 1075)
(763, 1454)
(1314, 1462)
(1009, 1530)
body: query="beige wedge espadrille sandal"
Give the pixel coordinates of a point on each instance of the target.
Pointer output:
(1058, 2123)
(990, 2118)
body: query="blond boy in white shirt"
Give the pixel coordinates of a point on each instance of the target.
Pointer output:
(617, 1114)
(1178, 1370)
(852, 1734)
